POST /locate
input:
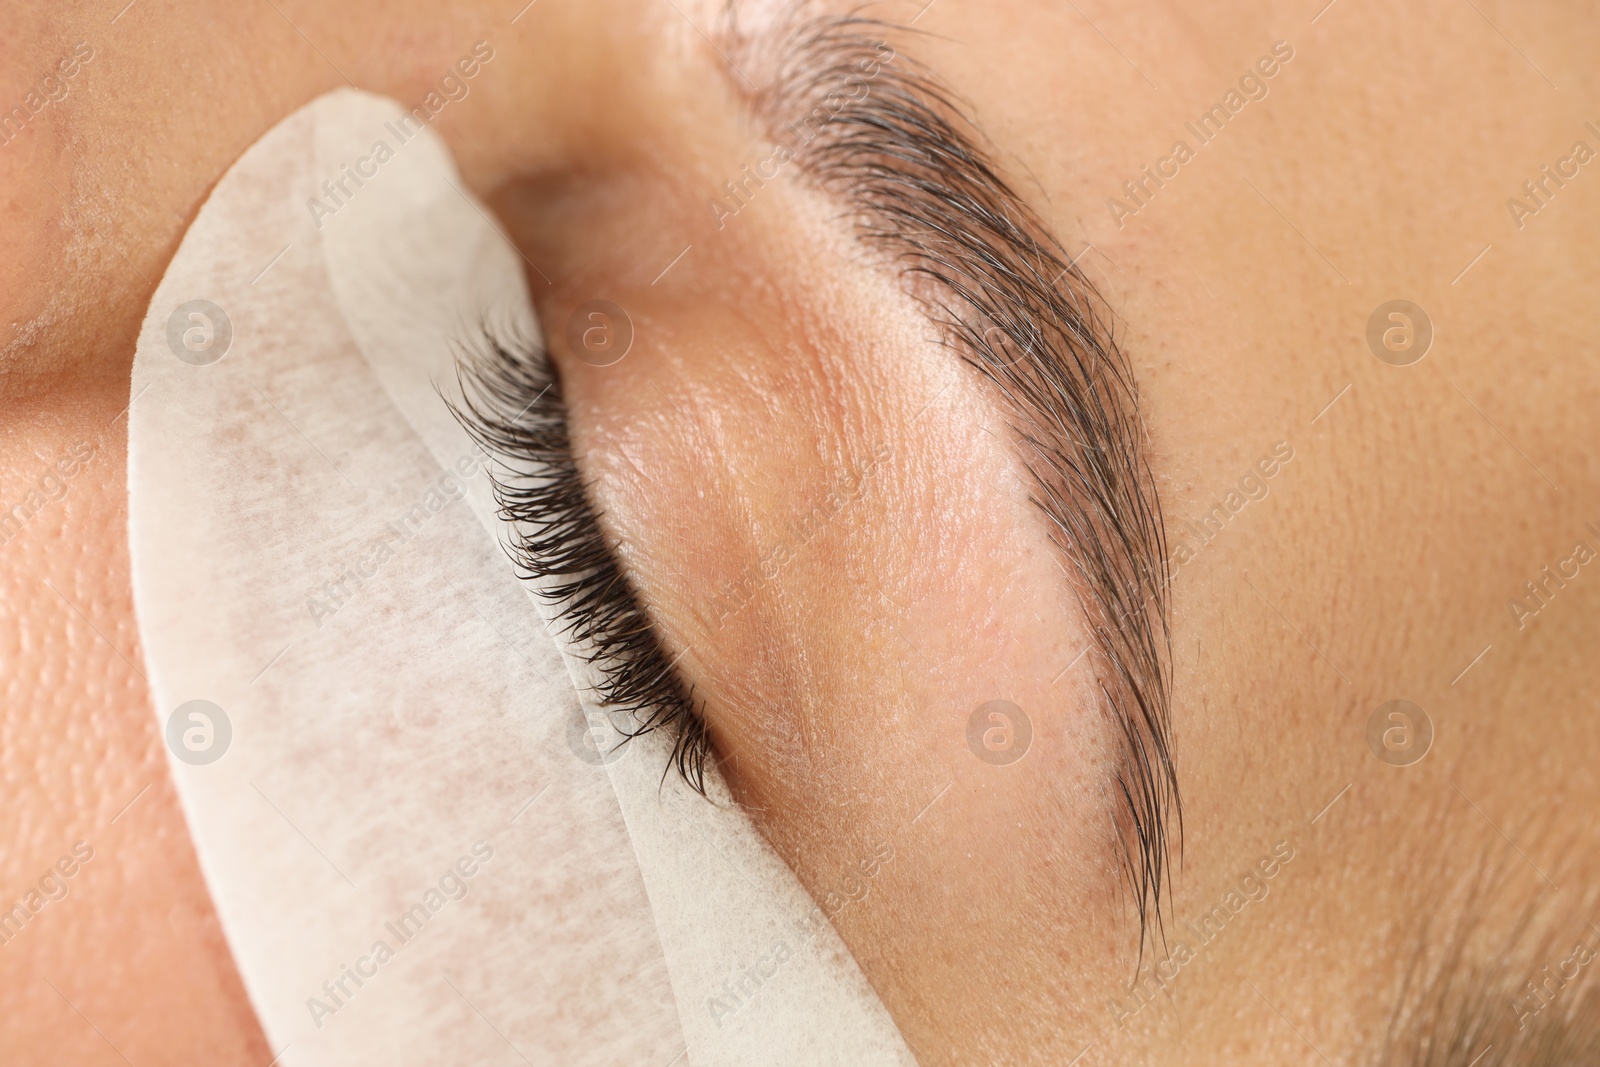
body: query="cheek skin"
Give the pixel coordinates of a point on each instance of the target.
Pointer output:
(135, 941)
(825, 518)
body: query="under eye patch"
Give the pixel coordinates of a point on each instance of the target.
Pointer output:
(340, 767)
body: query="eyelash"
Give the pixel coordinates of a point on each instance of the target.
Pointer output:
(513, 406)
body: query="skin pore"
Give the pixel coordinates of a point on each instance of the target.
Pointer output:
(781, 364)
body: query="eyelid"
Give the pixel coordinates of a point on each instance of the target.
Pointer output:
(514, 408)
(914, 173)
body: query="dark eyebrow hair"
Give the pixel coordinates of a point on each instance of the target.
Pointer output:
(881, 132)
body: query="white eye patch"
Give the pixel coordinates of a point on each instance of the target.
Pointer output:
(382, 750)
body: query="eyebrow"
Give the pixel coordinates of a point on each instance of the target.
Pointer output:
(923, 190)
(1487, 982)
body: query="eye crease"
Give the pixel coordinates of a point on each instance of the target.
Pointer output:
(869, 125)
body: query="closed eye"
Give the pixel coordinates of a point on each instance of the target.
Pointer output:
(871, 127)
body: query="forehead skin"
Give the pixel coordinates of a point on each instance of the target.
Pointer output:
(775, 356)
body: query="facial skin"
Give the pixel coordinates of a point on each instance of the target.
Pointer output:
(781, 364)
